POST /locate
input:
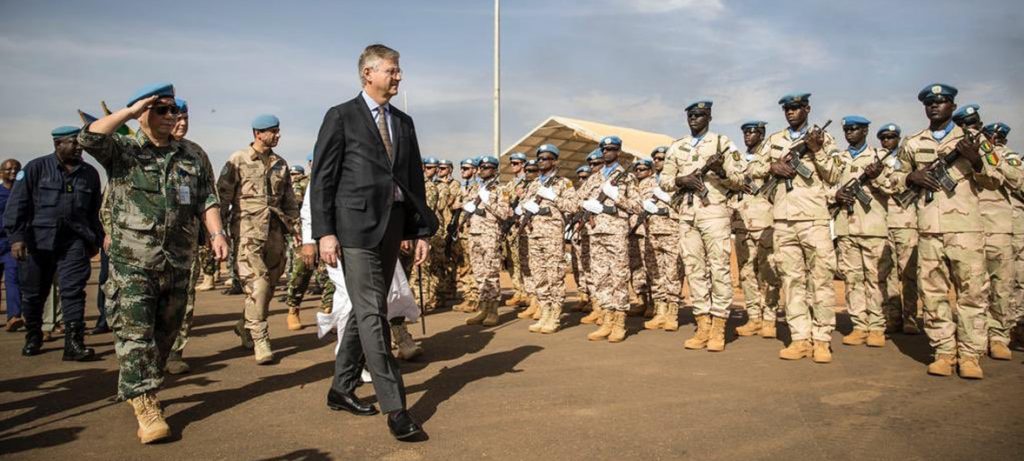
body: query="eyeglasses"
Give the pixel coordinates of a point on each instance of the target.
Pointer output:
(610, 148)
(545, 159)
(394, 71)
(163, 110)
(466, 168)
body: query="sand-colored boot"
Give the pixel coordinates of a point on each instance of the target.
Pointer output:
(637, 309)
(294, 323)
(876, 338)
(716, 343)
(261, 350)
(942, 365)
(462, 306)
(513, 300)
(175, 365)
(554, 321)
(999, 351)
(605, 329)
(658, 321)
(855, 338)
(969, 367)
(481, 314)
(545, 312)
(671, 317)
(618, 333)
(700, 339)
(492, 314)
(768, 329)
(407, 348)
(596, 313)
(751, 328)
(532, 308)
(536, 314)
(796, 350)
(822, 352)
(152, 426)
(209, 282)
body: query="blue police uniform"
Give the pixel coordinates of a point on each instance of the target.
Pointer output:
(10, 265)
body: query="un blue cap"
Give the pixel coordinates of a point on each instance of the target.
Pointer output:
(659, 150)
(309, 158)
(583, 169)
(430, 161)
(182, 105)
(298, 169)
(156, 89)
(65, 131)
(855, 120)
(753, 124)
(595, 154)
(645, 162)
(548, 148)
(889, 128)
(265, 122)
(445, 161)
(997, 127)
(699, 105)
(963, 112)
(531, 162)
(517, 156)
(610, 140)
(937, 89)
(489, 159)
(795, 98)
(471, 161)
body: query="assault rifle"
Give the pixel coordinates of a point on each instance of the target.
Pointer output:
(644, 215)
(452, 233)
(506, 225)
(792, 158)
(937, 170)
(703, 192)
(526, 222)
(583, 216)
(855, 187)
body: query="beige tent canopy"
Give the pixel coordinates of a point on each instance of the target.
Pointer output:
(575, 139)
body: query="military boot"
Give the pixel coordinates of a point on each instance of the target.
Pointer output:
(999, 351)
(596, 313)
(855, 338)
(636, 309)
(533, 308)
(209, 282)
(74, 343)
(33, 340)
(554, 321)
(545, 313)
(262, 352)
(152, 426)
(650, 308)
(716, 342)
(822, 352)
(943, 365)
(796, 350)
(910, 327)
(700, 339)
(407, 348)
(768, 329)
(876, 339)
(536, 314)
(491, 318)
(481, 314)
(583, 305)
(658, 321)
(175, 364)
(969, 367)
(618, 333)
(244, 334)
(605, 329)
(671, 317)
(751, 328)
(294, 323)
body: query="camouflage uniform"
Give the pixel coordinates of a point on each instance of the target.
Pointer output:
(448, 194)
(1017, 300)
(545, 246)
(484, 240)
(466, 283)
(661, 255)
(259, 187)
(898, 266)
(434, 258)
(513, 238)
(581, 244)
(752, 224)
(157, 195)
(997, 219)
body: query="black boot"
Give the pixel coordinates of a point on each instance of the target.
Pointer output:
(235, 289)
(74, 343)
(33, 340)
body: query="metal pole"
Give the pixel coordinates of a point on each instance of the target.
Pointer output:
(497, 77)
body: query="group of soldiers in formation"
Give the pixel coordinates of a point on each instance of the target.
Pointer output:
(921, 215)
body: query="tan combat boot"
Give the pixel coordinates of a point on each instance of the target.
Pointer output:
(175, 365)
(636, 310)
(969, 367)
(545, 312)
(751, 328)
(658, 321)
(407, 348)
(554, 321)
(294, 323)
(152, 426)
(595, 313)
(700, 339)
(618, 333)
(796, 350)
(876, 338)
(261, 350)
(481, 314)
(855, 338)
(492, 314)
(943, 365)
(999, 351)
(514, 300)
(583, 305)
(822, 352)
(605, 329)
(209, 282)
(533, 307)
(536, 313)
(768, 329)
(671, 317)
(716, 342)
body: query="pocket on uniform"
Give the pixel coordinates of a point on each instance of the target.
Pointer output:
(135, 221)
(49, 194)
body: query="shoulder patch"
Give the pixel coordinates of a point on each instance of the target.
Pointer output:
(736, 155)
(20, 175)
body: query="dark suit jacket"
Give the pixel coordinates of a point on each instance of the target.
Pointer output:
(352, 180)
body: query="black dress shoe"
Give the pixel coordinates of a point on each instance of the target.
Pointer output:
(402, 426)
(350, 403)
(100, 330)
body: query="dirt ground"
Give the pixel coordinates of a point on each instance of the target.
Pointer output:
(504, 393)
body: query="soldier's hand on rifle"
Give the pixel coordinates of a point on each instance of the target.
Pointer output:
(716, 164)
(969, 148)
(873, 170)
(844, 197)
(815, 139)
(923, 180)
(782, 169)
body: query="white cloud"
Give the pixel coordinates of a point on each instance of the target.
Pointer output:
(706, 8)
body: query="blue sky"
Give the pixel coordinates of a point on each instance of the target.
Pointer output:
(633, 63)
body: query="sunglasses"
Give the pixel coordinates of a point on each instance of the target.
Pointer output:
(851, 127)
(545, 159)
(792, 106)
(642, 168)
(487, 167)
(610, 148)
(659, 159)
(165, 109)
(517, 162)
(532, 170)
(466, 168)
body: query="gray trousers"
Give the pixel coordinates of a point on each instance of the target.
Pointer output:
(368, 274)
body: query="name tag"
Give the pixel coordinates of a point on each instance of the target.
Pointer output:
(184, 195)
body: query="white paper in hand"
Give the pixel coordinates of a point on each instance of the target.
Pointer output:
(593, 206)
(650, 207)
(610, 191)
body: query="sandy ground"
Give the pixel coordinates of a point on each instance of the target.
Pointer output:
(503, 393)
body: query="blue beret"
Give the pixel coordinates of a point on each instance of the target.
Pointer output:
(596, 154)
(855, 120)
(65, 131)
(645, 162)
(265, 122)
(548, 148)
(937, 89)
(659, 150)
(445, 161)
(583, 169)
(752, 124)
(156, 89)
(517, 156)
(182, 105)
(963, 112)
(471, 161)
(531, 162)
(298, 169)
(795, 98)
(997, 127)
(889, 127)
(699, 105)
(489, 159)
(609, 140)
(309, 158)
(430, 161)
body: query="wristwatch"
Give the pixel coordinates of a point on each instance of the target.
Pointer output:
(220, 232)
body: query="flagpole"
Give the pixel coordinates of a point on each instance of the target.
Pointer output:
(497, 78)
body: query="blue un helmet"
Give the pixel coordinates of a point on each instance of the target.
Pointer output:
(610, 141)
(595, 156)
(298, 169)
(517, 157)
(889, 128)
(548, 148)
(487, 160)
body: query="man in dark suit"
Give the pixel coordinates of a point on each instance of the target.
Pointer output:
(367, 200)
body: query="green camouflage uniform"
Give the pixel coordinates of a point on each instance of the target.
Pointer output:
(157, 197)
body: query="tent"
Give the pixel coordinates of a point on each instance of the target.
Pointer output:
(575, 139)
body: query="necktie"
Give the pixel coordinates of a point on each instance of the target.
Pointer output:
(385, 134)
